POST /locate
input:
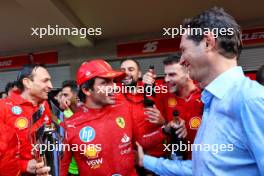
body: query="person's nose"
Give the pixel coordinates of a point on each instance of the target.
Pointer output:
(128, 73)
(50, 85)
(167, 79)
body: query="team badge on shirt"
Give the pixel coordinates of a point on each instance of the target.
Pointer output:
(87, 134)
(125, 138)
(16, 110)
(195, 122)
(91, 152)
(172, 102)
(21, 123)
(120, 121)
(95, 164)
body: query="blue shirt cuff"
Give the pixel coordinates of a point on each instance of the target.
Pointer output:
(150, 162)
(168, 167)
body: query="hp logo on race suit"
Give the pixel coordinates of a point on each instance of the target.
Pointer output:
(87, 134)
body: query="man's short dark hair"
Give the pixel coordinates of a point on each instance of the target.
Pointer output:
(172, 59)
(134, 60)
(229, 45)
(71, 84)
(260, 75)
(86, 85)
(27, 72)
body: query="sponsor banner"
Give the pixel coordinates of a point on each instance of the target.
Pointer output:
(45, 57)
(20, 60)
(169, 45)
(253, 36)
(13, 61)
(151, 47)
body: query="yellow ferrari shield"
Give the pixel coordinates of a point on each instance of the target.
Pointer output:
(120, 121)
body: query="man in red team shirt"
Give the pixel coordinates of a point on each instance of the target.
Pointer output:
(103, 128)
(34, 83)
(133, 73)
(131, 82)
(8, 150)
(183, 96)
(145, 121)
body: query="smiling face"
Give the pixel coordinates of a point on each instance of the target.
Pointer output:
(194, 57)
(175, 76)
(102, 92)
(39, 85)
(132, 72)
(67, 93)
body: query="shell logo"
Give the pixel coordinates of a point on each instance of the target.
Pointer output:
(195, 122)
(91, 152)
(21, 123)
(172, 102)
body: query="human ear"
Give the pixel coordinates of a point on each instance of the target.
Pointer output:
(210, 41)
(86, 92)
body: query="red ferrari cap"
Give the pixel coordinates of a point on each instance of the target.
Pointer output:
(96, 68)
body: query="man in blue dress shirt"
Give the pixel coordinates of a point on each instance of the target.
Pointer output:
(231, 135)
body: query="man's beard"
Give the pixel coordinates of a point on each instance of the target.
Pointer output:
(173, 89)
(132, 83)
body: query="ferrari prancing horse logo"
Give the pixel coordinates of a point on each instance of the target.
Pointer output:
(120, 121)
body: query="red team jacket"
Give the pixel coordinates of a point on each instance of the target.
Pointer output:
(109, 134)
(190, 110)
(8, 149)
(17, 112)
(143, 125)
